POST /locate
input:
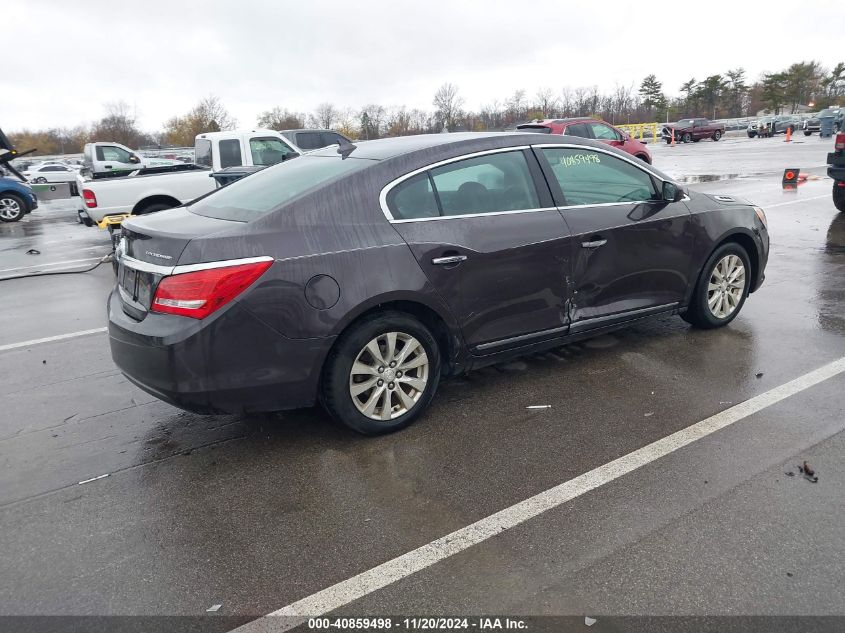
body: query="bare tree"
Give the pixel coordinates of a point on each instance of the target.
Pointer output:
(546, 102)
(118, 125)
(209, 115)
(372, 119)
(281, 119)
(448, 105)
(324, 116)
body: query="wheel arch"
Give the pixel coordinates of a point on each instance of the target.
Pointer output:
(154, 199)
(442, 326)
(742, 238)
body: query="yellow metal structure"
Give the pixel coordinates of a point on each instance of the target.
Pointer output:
(638, 130)
(112, 220)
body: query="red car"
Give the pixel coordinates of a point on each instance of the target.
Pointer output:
(590, 128)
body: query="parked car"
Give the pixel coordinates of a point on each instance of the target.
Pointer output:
(813, 124)
(751, 130)
(112, 160)
(50, 172)
(836, 170)
(590, 128)
(358, 276)
(148, 193)
(306, 140)
(692, 130)
(16, 200)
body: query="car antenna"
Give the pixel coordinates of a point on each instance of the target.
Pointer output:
(345, 148)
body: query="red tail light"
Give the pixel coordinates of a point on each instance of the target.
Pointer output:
(200, 293)
(839, 143)
(90, 198)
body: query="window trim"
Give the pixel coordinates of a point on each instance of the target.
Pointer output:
(398, 181)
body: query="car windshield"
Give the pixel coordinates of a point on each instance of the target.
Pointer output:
(540, 129)
(685, 122)
(260, 193)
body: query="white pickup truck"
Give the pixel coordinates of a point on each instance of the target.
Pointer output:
(108, 200)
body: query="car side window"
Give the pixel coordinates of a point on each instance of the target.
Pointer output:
(308, 140)
(202, 152)
(115, 154)
(485, 184)
(603, 132)
(589, 177)
(230, 153)
(577, 129)
(413, 199)
(268, 150)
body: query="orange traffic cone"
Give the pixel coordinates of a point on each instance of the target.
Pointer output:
(788, 135)
(673, 137)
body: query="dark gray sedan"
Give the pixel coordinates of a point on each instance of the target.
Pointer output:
(360, 276)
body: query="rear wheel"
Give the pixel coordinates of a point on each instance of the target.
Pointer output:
(721, 289)
(839, 195)
(717, 135)
(12, 207)
(751, 134)
(40, 180)
(382, 374)
(807, 132)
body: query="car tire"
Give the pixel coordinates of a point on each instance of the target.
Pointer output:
(839, 195)
(152, 208)
(12, 207)
(751, 134)
(668, 140)
(341, 380)
(807, 133)
(696, 140)
(708, 311)
(717, 135)
(643, 158)
(40, 180)
(687, 137)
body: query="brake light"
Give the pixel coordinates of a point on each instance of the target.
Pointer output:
(839, 143)
(90, 198)
(200, 293)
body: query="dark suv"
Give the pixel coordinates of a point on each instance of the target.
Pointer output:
(358, 276)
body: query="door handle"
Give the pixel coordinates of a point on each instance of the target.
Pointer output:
(594, 243)
(445, 261)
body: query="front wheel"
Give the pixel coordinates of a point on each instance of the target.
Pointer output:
(721, 289)
(40, 180)
(839, 195)
(807, 133)
(12, 207)
(687, 137)
(717, 135)
(751, 134)
(382, 374)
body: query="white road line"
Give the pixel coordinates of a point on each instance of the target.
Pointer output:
(796, 201)
(69, 261)
(344, 592)
(50, 339)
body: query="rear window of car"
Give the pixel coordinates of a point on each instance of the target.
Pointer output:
(265, 191)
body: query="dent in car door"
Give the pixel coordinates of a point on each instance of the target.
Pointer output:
(630, 251)
(491, 243)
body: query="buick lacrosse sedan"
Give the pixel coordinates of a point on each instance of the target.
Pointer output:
(359, 276)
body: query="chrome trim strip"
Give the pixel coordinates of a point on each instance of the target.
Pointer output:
(146, 267)
(165, 271)
(472, 215)
(190, 268)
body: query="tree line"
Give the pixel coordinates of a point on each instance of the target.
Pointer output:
(727, 95)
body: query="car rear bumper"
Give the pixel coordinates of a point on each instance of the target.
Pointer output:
(228, 363)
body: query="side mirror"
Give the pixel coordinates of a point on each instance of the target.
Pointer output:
(672, 192)
(134, 159)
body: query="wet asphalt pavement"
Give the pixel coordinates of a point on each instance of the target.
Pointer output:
(256, 512)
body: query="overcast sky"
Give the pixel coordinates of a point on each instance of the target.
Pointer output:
(161, 57)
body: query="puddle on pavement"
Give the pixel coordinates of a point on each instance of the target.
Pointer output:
(715, 177)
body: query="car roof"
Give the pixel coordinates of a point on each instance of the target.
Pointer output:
(387, 148)
(577, 119)
(310, 129)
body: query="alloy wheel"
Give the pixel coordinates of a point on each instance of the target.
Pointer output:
(389, 376)
(726, 285)
(9, 209)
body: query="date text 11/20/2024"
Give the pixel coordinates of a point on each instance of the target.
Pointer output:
(416, 624)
